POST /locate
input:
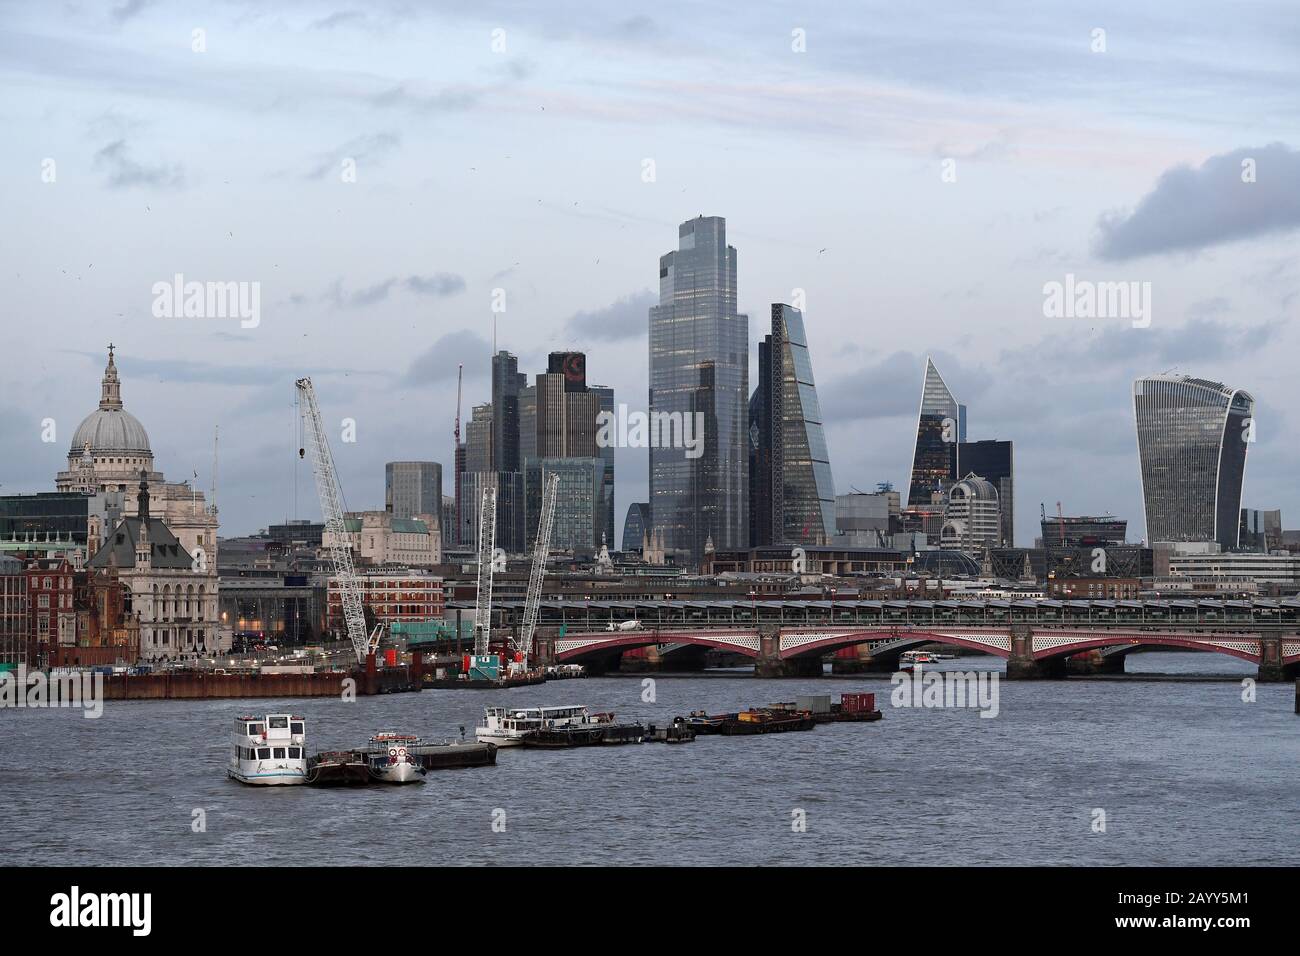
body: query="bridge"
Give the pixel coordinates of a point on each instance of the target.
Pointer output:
(1030, 651)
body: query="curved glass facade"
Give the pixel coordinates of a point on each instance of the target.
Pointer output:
(1192, 437)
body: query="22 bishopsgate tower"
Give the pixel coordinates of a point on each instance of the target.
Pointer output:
(699, 369)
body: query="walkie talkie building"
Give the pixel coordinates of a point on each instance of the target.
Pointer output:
(1192, 437)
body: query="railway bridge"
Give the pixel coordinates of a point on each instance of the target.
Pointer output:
(1030, 650)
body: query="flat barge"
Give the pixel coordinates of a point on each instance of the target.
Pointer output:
(453, 754)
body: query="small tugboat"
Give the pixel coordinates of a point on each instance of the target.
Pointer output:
(700, 722)
(389, 759)
(678, 732)
(268, 751)
(507, 727)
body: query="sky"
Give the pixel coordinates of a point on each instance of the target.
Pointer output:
(920, 173)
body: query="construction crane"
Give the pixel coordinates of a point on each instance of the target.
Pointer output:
(1060, 516)
(331, 506)
(487, 541)
(541, 547)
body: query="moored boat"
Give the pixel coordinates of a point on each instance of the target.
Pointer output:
(749, 722)
(268, 750)
(507, 726)
(454, 753)
(389, 759)
(338, 768)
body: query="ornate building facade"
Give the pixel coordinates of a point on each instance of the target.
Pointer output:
(109, 450)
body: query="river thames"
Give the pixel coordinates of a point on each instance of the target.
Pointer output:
(1185, 771)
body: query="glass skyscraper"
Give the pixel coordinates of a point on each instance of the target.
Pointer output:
(940, 426)
(792, 493)
(1192, 436)
(699, 363)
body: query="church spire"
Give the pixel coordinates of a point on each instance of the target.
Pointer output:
(110, 389)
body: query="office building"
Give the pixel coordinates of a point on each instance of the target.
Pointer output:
(994, 461)
(940, 427)
(1192, 439)
(792, 493)
(699, 372)
(412, 488)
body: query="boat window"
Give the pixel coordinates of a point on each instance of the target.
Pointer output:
(263, 753)
(278, 723)
(254, 730)
(295, 753)
(279, 753)
(296, 727)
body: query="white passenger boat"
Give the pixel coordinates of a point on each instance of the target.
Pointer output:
(390, 760)
(506, 726)
(268, 750)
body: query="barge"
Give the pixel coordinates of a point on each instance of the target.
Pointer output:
(338, 768)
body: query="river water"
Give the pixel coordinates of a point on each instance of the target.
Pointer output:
(1186, 772)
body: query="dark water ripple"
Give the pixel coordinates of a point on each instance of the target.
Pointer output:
(1187, 773)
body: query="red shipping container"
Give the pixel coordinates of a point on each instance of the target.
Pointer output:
(855, 703)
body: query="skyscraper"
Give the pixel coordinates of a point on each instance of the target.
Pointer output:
(699, 363)
(1192, 436)
(635, 525)
(993, 461)
(506, 383)
(940, 426)
(413, 488)
(791, 488)
(605, 399)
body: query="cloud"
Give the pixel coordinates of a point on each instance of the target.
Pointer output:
(890, 388)
(439, 362)
(124, 172)
(129, 9)
(136, 369)
(1191, 209)
(1201, 340)
(624, 319)
(439, 284)
(372, 148)
(440, 101)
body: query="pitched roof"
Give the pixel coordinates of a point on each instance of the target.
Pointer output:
(119, 548)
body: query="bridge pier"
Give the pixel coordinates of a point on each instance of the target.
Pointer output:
(770, 662)
(1271, 668)
(1021, 665)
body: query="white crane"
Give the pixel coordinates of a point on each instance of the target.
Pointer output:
(541, 548)
(487, 539)
(331, 506)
